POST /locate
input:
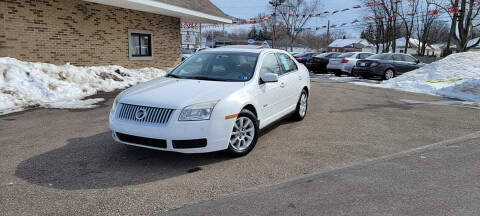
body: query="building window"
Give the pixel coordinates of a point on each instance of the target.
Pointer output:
(140, 45)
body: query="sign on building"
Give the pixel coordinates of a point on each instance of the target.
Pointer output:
(188, 39)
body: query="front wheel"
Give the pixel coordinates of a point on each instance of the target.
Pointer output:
(302, 106)
(244, 134)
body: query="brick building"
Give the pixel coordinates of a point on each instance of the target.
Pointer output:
(130, 33)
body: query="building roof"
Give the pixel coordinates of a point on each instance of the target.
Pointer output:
(199, 11)
(204, 6)
(341, 43)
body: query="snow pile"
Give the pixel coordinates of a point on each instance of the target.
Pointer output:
(456, 76)
(26, 84)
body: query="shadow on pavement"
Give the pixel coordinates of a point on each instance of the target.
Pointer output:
(97, 162)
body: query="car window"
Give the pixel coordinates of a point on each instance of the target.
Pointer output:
(334, 55)
(381, 56)
(398, 57)
(410, 59)
(270, 65)
(287, 63)
(346, 55)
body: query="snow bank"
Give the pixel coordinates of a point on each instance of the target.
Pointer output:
(456, 76)
(26, 84)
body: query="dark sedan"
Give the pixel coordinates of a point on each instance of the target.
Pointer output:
(386, 66)
(319, 62)
(305, 57)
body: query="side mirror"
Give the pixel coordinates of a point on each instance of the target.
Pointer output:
(169, 70)
(269, 77)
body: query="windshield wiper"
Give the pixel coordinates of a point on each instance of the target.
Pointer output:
(204, 78)
(174, 76)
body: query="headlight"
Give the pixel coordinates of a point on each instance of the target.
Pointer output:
(197, 112)
(374, 64)
(115, 102)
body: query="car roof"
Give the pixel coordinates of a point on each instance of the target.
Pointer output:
(241, 48)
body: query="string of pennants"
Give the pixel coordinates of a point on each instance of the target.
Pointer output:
(261, 19)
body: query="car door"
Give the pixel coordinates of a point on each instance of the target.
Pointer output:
(293, 80)
(273, 95)
(411, 63)
(399, 63)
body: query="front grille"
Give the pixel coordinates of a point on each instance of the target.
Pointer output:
(144, 114)
(157, 143)
(184, 144)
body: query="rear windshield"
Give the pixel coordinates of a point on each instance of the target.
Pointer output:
(381, 56)
(346, 55)
(322, 55)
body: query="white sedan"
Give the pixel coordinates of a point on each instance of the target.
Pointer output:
(216, 100)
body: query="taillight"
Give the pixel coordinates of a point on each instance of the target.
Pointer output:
(300, 59)
(344, 61)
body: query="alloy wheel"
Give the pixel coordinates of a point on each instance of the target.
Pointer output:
(243, 134)
(303, 105)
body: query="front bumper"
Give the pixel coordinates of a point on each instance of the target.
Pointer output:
(175, 136)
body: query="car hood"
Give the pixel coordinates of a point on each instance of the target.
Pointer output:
(177, 93)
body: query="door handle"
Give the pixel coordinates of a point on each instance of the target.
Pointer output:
(283, 85)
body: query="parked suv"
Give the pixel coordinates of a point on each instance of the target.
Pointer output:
(386, 66)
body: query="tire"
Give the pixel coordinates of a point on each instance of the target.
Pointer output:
(338, 74)
(301, 110)
(352, 73)
(245, 126)
(388, 74)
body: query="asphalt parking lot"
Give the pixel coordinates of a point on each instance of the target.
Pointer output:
(64, 162)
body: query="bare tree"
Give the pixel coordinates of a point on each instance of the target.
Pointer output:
(424, 22)
(464, 19)
(407, 15)
(295, 14)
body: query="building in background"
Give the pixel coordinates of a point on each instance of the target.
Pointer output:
(348, 45)
(133, 34)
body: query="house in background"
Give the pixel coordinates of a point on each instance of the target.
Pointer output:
(133, 34)
(413, 46)
(348, 45)
(442, 47)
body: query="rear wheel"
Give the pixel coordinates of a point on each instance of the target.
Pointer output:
(244, 134)
(337, 73)
(389, 74)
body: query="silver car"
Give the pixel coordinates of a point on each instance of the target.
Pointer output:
(345, 62)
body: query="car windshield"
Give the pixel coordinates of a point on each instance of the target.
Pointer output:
(380, 56)
(217, 66)
(187, 52)
(346, 55)
(298, 54)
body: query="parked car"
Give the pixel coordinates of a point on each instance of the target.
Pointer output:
(218, 99)
(187, 53)
(344, 63)
(386, 66)
(319, 62)
(305, 57)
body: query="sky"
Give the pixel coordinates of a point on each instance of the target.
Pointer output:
(251, 8)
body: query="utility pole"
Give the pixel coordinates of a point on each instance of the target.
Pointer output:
(275, 4)
(328, 34)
